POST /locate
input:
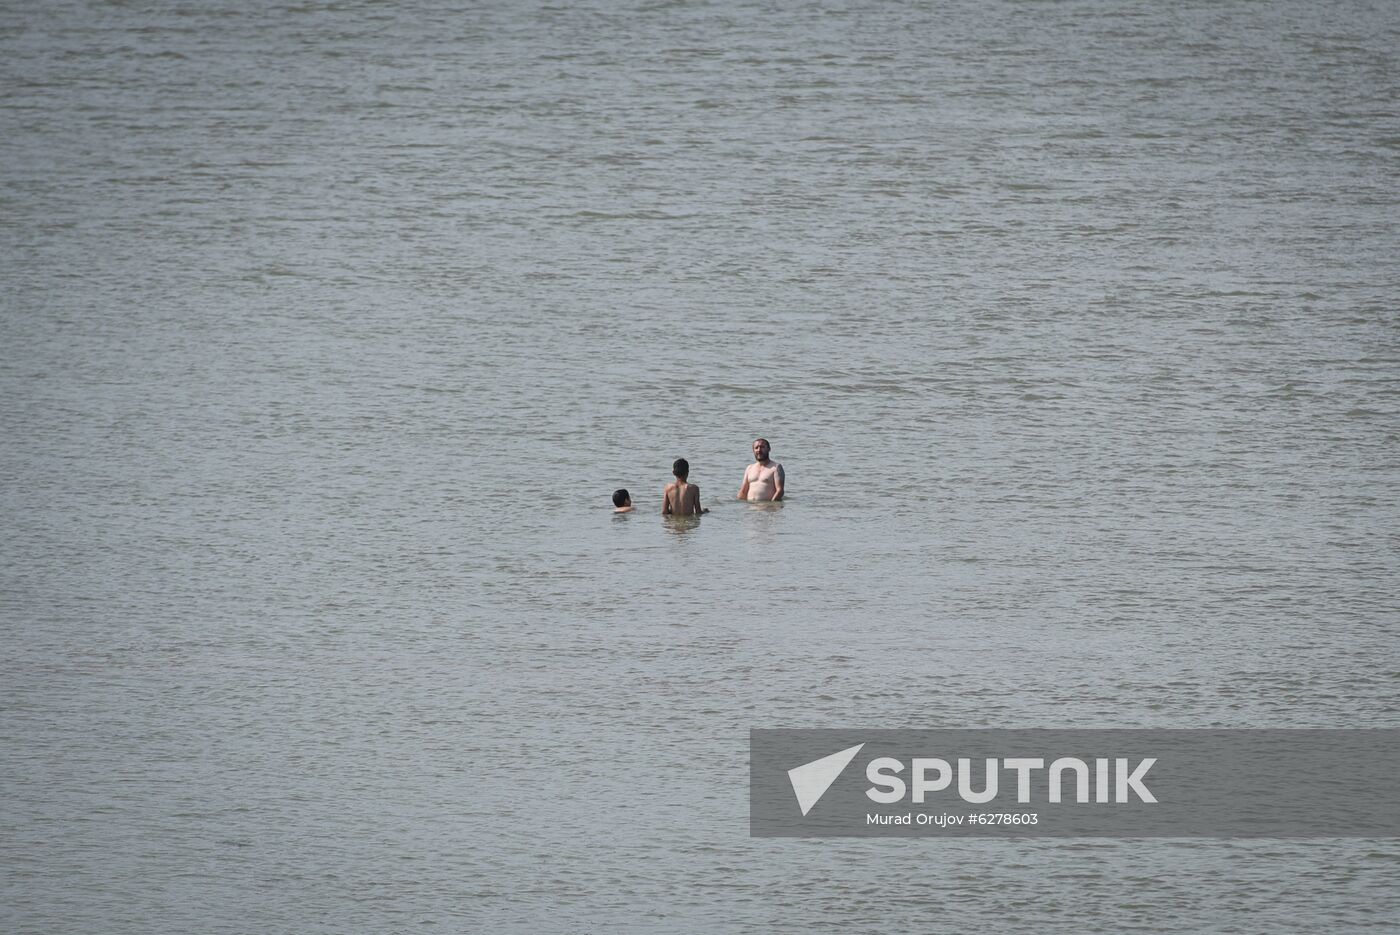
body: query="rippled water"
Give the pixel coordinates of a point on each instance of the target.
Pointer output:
(328, 329)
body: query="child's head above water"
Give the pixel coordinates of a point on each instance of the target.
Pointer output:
(681, 468)
(621, 497)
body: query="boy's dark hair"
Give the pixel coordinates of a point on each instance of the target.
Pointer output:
(681, 468)
(621, 496)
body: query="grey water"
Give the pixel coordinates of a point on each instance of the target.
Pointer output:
(328, 328)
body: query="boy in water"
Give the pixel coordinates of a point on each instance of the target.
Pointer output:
(681, 498)
(622, 500)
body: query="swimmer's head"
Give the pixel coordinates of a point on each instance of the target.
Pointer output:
(681, 468)
(761, 449)
(621, 497)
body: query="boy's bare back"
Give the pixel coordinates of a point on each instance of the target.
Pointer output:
(681, 499)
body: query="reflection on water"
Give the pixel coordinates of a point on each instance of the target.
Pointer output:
(680, 525)
(762, 521)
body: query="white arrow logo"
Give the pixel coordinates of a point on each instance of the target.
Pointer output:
(811, 780)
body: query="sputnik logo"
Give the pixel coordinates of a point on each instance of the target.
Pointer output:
(811, 780)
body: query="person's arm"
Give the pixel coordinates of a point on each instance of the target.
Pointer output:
(744, 487)
(698, 508)
(778, 484)
(666, 502)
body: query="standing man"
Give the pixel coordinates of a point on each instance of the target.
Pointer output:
(763, 480)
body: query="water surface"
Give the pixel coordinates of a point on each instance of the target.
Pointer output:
(328, 329)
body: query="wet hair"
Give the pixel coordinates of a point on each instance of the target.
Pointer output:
(765, 442)
(681, 468)
(621, 496)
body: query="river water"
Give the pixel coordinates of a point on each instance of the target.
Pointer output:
(329, 328)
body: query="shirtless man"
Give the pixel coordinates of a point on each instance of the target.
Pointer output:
(763, 480)
(681, 498)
